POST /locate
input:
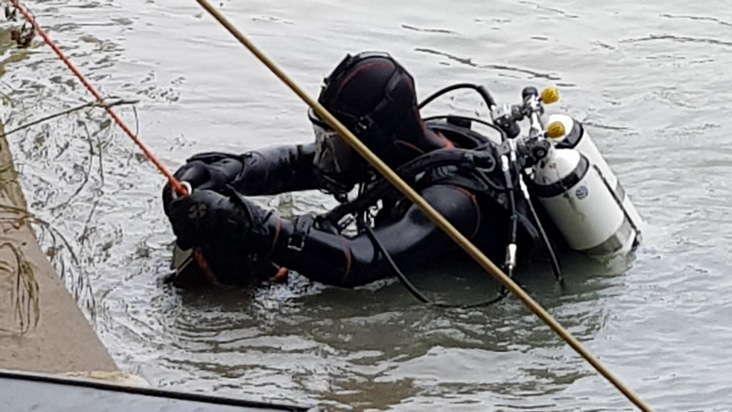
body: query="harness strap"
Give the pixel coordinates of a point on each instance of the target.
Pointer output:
(303, 224)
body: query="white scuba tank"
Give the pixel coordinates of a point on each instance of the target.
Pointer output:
(581, 204)
(576, 137)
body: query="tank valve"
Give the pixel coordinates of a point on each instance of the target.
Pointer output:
(555, 130)
(550, 95)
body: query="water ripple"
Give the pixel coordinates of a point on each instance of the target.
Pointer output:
(510, 69)
(677, 39)
(698, 18)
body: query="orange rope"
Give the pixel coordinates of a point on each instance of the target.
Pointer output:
(177, 186)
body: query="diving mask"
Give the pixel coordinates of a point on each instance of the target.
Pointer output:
(335, 161)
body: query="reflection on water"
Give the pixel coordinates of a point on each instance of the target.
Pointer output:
(649, 81)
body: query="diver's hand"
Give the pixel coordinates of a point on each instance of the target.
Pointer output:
(205, 216)
(199, 175)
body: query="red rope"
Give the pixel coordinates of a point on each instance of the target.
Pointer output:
(177, 186)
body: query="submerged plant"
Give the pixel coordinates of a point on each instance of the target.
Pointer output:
(25, 293)
(63, 257)
(79, 286)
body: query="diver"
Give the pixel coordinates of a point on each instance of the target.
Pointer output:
(456, 170)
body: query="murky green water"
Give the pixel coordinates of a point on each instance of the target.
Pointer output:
(649, 79)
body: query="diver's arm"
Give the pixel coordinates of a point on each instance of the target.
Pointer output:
(323, 256)
(412, 242)
(266, 171)
(260, 172)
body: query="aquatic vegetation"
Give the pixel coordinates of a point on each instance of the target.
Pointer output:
(24, 294)
(14, 263)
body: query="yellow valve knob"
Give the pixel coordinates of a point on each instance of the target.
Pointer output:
(555, 130)
(550, 95)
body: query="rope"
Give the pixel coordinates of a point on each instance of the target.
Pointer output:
(436, 217)
(29, 18)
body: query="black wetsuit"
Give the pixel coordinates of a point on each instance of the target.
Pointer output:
(316, 251)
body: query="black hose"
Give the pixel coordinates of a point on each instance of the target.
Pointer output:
(461, 158)
(400, 275)
(480, 89)
(413, 289)
(472, 119)
(550, 249)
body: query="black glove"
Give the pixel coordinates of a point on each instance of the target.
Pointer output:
(206, 216)
(203, 176)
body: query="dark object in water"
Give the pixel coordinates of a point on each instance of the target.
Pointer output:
(23, 36)
(186, 273)
(11, 13)
(20, 391)
(231, 269)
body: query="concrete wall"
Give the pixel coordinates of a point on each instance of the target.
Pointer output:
(62, 340)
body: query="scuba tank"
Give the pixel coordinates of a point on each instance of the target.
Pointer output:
(582, 195)
(576, 137)
(572, 181)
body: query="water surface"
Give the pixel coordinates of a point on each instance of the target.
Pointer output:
(650, 80)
